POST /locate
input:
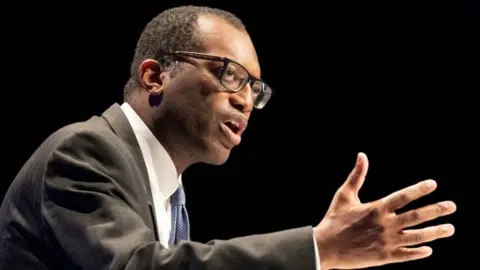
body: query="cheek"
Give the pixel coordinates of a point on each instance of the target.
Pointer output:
(201, 103)
(198, 105)
(209, 99)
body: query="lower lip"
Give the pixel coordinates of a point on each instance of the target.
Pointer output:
(234, 138)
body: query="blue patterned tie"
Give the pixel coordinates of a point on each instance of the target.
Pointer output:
(180, 227)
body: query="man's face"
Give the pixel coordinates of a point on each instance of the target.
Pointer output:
(211, 117)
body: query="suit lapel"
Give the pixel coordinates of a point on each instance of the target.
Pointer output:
(120, 125)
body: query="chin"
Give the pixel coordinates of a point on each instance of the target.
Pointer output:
(217, 155)
(219, 158)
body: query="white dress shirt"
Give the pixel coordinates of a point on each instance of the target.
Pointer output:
(162, 175)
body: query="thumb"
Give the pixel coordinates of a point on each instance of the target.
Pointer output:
(356, 178)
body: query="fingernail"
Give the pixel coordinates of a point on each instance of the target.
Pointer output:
(430, 183)
(448, 229)
(447, 204)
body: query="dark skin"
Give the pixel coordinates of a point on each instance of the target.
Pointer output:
(194, 103)
(188, 120)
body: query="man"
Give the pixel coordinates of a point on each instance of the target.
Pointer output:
(107, 193)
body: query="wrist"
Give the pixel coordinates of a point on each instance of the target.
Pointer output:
(324, 250)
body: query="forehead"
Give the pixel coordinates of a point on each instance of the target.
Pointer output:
(223, 39)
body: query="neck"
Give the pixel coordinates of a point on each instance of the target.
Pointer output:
(167, 133)
(175, 146)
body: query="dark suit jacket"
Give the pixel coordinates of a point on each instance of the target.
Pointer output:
(83, 201)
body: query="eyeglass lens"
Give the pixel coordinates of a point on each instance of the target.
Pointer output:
(234, 77)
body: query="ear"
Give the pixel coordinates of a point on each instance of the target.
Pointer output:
(152, 76)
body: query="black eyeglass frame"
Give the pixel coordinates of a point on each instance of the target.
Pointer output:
(226, 61)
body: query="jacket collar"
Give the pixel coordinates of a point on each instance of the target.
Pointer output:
(120, 125)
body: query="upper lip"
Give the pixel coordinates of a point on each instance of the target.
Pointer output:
(238, 120)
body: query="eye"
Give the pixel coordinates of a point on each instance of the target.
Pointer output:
(257, 88)
(229, 75)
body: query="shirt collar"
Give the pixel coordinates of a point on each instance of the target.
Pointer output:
(162, 163)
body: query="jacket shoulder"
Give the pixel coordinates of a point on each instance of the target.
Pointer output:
(93, 133)
(91, 140)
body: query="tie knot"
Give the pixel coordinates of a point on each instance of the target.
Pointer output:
(178, 197)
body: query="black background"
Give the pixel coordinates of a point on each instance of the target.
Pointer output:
(397, 80)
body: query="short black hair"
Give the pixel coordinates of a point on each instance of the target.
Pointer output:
(174, 29)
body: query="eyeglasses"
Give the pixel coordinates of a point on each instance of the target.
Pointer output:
(234, 77)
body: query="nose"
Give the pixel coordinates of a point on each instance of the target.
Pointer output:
(243, 99)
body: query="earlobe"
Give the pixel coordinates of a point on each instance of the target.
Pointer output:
(155, 100)
(151, 76)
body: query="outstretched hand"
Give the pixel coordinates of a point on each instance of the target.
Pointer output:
(358, 235)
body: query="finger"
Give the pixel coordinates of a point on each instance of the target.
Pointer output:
(404, 254)
(357, 176)
(404, 196)
(429, 234)
(426, 213)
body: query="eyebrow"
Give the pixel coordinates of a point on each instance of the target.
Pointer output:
(215, 58)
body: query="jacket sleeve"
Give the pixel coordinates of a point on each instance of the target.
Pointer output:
(89, 219)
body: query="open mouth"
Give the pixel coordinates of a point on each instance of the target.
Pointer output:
(234, 127)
